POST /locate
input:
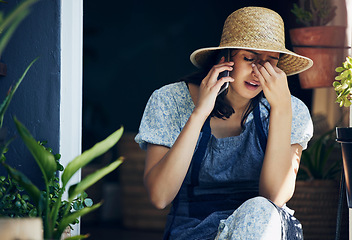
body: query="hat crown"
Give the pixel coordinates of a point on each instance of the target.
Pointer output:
(254, 27)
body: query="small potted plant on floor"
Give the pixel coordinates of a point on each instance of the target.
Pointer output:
(343, 88)
(57, 213)
(323, 44)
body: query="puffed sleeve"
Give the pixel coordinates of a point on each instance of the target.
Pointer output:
(160, 121)
(302, 125)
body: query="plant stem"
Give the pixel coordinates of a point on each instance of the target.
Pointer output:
(55, 211)
(68, 207)
(47, 221)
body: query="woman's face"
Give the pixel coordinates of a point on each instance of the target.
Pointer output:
(246, 84)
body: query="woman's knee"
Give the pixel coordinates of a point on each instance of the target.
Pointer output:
(259, 207)
(257, 218)
(260, 203)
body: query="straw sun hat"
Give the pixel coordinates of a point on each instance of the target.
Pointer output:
(254, 28)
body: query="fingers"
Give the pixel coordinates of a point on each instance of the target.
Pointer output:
(261, 72)
(213, 74)
(267, 72)
(210, 87)
(261, 77)
(211, 84)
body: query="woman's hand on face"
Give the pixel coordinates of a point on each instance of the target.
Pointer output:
(210, 86)
(274, 83)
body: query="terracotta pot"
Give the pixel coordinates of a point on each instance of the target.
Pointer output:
(325, 46)
(315, 203)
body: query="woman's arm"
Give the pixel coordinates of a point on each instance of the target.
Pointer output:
(166, 168)
(281, 163)
(281, 160)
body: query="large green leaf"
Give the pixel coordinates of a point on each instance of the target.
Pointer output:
(68, 219)
(90, 154)
(91, 179)
(6, 102)
(45, 159)
(24, 182)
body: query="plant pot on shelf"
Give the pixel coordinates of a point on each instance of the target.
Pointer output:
(325, 46)
(344, 136)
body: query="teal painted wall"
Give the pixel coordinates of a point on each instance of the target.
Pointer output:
(37, 101)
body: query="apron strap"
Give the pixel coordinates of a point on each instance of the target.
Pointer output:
(259, 127)
(198, 156)
(196, 163)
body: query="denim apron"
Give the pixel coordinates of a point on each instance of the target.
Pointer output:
(202, 205)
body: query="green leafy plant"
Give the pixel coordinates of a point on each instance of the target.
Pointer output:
(57, 213)
(48, 207)
(343, 83)
(46, 161)
(14, 202)
(314, 12)
(316, 162)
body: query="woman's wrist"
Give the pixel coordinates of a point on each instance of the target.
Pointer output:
(199, 115)
(283, 108)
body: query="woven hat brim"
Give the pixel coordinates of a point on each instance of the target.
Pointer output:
(290, 62)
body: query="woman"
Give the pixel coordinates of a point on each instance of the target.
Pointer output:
(228, 162)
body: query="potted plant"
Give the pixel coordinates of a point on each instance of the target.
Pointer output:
(15, 202)
(55, 212)
(46, 204)
(343, 88)
(52, 208)
(323, 44)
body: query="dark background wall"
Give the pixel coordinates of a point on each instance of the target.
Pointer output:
(37, 101)
(130, 49)
(133, 47)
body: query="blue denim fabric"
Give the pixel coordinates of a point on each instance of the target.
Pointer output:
(231, 166)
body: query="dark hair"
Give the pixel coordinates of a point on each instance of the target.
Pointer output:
(222, 108)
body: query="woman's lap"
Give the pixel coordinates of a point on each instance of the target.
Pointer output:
(259, 218)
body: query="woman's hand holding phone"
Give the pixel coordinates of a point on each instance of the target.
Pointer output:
(211, 85)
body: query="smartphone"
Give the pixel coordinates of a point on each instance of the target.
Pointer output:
(224, 53)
